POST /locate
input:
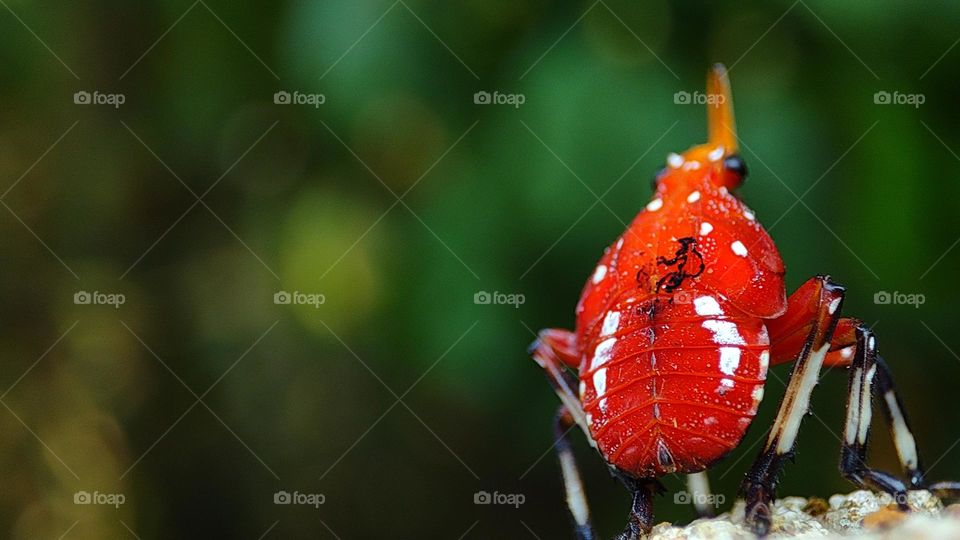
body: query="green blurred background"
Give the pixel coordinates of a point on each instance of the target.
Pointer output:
(397, 399)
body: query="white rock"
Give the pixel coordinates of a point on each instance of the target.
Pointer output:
(842, 521)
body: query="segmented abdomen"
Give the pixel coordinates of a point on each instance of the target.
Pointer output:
(670, 383)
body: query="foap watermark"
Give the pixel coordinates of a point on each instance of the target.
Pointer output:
(898, 298)
(298, 298)
(82, 97)
(97, 298)
(698, 98)
(506, 499)
(496, 98)
(883, 97)
(283, 97)
(304, 499)
(499, 298)
(699, 499)
(106, 499)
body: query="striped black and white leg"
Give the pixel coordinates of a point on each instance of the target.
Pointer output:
(759, 486)
(870, 377)
(698, 485)
(856, 433)
(573, 485)
(544, 351)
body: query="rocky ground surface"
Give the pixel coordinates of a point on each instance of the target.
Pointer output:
(860, 514)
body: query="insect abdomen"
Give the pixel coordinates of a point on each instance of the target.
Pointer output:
(671, 383)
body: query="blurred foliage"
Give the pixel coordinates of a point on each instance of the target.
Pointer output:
(399, 397)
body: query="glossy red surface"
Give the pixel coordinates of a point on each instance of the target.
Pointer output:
(670, 326)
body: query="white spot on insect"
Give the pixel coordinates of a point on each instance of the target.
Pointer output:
(706, 306)
(693, 197)
(847, 353)
(871, 343)
(710, 420)
(583, 389)
(656, 411)
(610, 323)
(748, 214)
(764, 363)
(600, 381)
(674, 160)
(619, 243)
(834, 304)
(599, 273)
(725, 384)
(655, 205)
(724, 332)
(715, 154)
(603, 352)
(757, 394)
(691, 165)
(729, 360)
(738, 248)
(705, 228)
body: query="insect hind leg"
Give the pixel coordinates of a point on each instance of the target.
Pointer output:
(640, 517)
(856, 433)
(816, 317)
(572, 483)
(870, 378)
(554, 350)
(698, 486)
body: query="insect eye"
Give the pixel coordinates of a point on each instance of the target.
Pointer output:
(736, 165)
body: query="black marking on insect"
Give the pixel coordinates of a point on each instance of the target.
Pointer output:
(672, 280)
(643, 277)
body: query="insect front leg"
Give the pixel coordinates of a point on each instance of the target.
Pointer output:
(814, 310)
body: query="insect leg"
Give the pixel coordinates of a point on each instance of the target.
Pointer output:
(759, 486)
(698, 484)
(573, 485)
(640, 519)
(870, 377)
(554, 351)
(853, 454)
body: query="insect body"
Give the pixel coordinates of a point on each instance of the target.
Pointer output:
(675, 331)
(674, 354)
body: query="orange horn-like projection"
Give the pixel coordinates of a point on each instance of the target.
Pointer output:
(721, 129)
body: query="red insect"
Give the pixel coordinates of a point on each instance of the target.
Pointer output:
(676, 329)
